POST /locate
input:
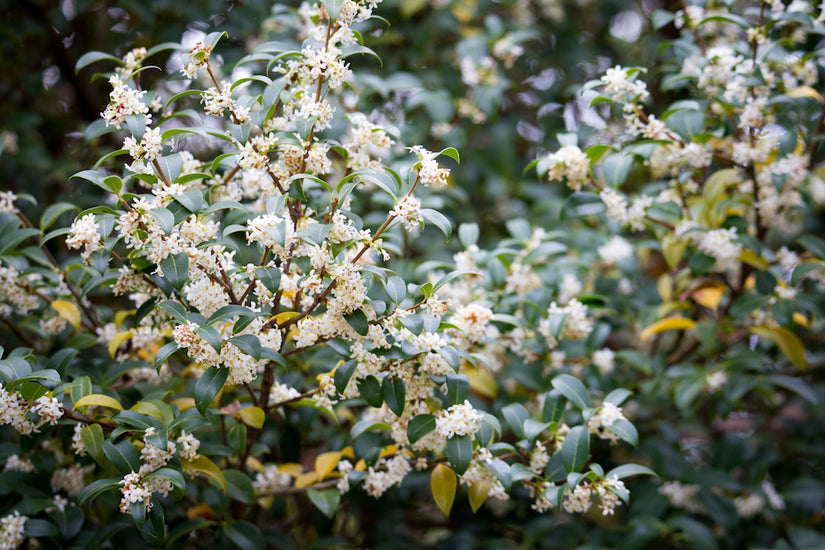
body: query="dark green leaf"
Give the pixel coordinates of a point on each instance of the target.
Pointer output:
(575, 450)
(572, 388)
(420, 426)
(394, 394)
(370, 389)
(343, 374)
(208, 386)
(326, 500)
(458, 387)
(123, 455)
(460, 452)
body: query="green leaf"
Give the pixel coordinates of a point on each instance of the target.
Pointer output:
(364, 426)
(48, 378)
(97, 488)
(625, 430)
(420, 426)
(437, 219)
(93, 57)
(572, 388)
(173, 475)
(239, 486)
(370, 390)
(249, 344)
(175, 268)
(343, 374)
(616, 168)
(176, 310)
(154, 530)
(211, 336)
(394, 394)
(468, 234)
(164, 353)
(326, 500)
(575, 450)
(460, 452)
(515, 414)
(451, 152)
(804, 269)
(458, 387)
(270, 277)
(795, 385)
(92, 438)
(357, 319)
(245, 535)
(123, 455)
(208, 386)
(553, 408)
(164, 218)
(53, 212)
(627, 470)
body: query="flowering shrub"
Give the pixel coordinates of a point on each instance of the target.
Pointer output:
(239, 329)
(260, 335)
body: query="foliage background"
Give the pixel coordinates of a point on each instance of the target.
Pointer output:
(47, 106)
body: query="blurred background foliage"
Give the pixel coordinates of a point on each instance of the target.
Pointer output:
(500, 121)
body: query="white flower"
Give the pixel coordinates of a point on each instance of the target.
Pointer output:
(83, 234)
(187, 445)
(571, 163)
(604, 359)
(11, 530)
(719, 244)
(607, 415)
(461, 419)
(7, 199)
(577, 501)
(747, 506)
(615, 250)
(620, 87)
(716, 381)
(408, 211)
(271, 479)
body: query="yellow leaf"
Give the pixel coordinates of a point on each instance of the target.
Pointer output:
(785, 340)
(184, 403)
(99, 400)
(477, 494)
(325, 463)
(664, 284)
(804, 91)
(443, 485)
(709, 294)
(672, 323)
(307, 479)
(252, 416)
(800, 319)
(482, 383)
(292, 468)
(283, 316)
(348, 452)
(673, 250)
(389, 450)
(118, 339)
(200, 511)
(254, 464)
(360, 466)
(69, 311)
(120, 316)
(205, 466)
(753, 259)
(150, 409)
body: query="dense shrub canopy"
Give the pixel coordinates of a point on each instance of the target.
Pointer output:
(412, 274)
